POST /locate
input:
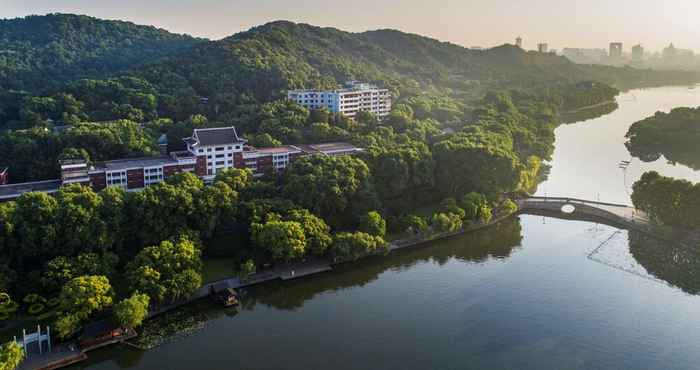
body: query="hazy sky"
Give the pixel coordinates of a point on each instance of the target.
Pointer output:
(589, 23)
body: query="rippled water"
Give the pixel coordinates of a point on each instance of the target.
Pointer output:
(530, 293)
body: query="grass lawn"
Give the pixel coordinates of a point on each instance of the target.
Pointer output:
(218, 268)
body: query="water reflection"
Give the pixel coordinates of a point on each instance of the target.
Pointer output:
(689, 157)
(589, 114)
(497, 242)
(675, 263)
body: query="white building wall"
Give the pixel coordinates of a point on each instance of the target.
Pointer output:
(219, 157)
(360, 96)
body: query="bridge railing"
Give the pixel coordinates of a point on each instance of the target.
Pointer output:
(572, 200)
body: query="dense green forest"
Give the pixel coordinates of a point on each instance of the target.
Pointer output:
(675, 135)
(38, 53)
(667, 200)
(466, 127)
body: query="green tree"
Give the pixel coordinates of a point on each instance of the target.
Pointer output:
(331, 187)
(215, 205)
(284, 240)
(473, 204)
(446, 222)
(80, 298)
(113, 214)
(149, 206)
(237, 179)
(246, 269)
(372, 223)
(61, 270)
(79, 211)
(168, 271)
(316, 231)
(11, 355)
(509, 207)
(35, 225)
(449, 205)
(413, 224)
(477, 161)
(130, 312)
(353, 246)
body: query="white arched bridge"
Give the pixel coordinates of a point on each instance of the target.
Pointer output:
(618, 214)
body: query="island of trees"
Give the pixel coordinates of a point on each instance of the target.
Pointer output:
(675, 135)
(667, 200)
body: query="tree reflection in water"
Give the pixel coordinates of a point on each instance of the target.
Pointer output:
(589, 114)
(496, 242)
(674, 263)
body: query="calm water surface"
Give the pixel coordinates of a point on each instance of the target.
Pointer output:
(530, 293)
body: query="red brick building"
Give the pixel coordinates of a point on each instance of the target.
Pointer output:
(209, 151)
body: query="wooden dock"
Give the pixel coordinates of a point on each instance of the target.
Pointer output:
(60, 356)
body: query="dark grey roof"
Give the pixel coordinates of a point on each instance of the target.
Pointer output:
(217, 136)
(134, 163)
(15, 190)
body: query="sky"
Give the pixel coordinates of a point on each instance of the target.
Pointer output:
(486, 23)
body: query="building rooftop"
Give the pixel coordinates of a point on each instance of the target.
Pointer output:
(15, 190)
(329, 148)
(350, 86)
(214, 136)
(125, 164)
(278, 149)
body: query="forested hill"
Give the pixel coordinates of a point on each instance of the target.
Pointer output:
(39, 52)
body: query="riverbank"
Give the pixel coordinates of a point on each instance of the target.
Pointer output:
(316, 266)
(588, 107)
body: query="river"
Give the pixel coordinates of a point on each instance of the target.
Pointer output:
(530, 293)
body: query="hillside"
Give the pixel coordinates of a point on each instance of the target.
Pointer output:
(40, 52)
(227, 79)
(268, 59)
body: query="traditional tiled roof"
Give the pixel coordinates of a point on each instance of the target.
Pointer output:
(215, 136)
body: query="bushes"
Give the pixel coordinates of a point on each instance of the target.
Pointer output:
(349, 246)
(372, 223)
(446, 222)
(131, 312)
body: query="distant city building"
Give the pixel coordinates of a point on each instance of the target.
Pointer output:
(519, 42)
(543, 48)
(670, 52)
(637, 53)
(355, 97)
(585, 56)
(673, 57)
(616, 51)
(209, 151)
(476, 48)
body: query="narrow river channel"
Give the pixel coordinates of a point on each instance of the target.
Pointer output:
(530, 293)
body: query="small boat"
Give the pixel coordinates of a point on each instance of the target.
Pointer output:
(224, 294)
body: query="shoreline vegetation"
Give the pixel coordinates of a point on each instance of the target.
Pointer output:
(674, 135)
(460, 134)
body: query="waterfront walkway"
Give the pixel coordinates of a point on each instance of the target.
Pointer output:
(618, 214)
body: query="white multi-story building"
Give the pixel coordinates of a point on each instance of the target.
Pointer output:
(356, 96)
(221, 146)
